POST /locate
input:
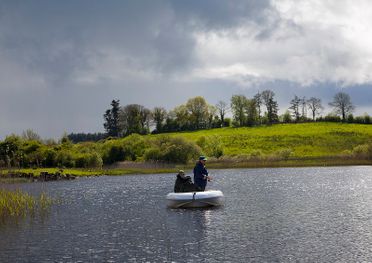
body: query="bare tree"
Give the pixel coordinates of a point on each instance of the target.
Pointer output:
(258, 101)
(295, 107)
(342, 105)
(212, 115)
(222, 109)
(315, 105)
(304, 108)
(30, 134)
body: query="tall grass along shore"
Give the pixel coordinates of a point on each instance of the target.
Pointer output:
(15, 204)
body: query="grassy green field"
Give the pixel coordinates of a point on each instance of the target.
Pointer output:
(303, 144)
(306, 140)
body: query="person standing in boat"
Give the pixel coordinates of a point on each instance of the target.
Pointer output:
(201, 173)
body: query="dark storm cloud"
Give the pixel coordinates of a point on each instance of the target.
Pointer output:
(56, 38)
(62, 62)
(220, 14)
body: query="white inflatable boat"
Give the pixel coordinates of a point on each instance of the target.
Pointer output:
(195, 199)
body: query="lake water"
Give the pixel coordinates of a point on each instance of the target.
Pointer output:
(270, 215)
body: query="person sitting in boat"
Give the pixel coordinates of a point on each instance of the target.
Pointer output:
(184, 183)
(201, 173)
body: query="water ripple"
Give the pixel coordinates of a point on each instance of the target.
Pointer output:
(270, 215)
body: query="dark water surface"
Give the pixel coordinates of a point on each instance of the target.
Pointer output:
(270, 215)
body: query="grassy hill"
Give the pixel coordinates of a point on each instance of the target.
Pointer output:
(304, 144)
(303, 141)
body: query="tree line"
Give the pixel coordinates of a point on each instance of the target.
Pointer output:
(197, 114)
(127, 122)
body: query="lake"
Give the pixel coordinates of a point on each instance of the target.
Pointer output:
(270, 215)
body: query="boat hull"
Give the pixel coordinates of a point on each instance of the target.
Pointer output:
(195, 199)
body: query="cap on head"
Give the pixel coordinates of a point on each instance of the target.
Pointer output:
(202, 158)
(181, 172)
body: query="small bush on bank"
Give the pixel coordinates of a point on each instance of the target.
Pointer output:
(363, 151)
(172, 150)
(65, 158)
(113, 153)
(89, 160)
(211, 145)
(284, 154)
(134, 147)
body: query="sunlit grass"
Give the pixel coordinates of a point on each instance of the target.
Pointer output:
(14, 204)
(277, 145)
(303, 140)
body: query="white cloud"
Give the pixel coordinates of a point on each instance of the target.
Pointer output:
(313, 41)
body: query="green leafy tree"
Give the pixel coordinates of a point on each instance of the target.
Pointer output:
(271, 106)
(134, 118)
(238, 106)
(251, 112)
(198, 110)
(10, 151)
(159, 115)
(287, 118)
(181, 117)
(111, 117)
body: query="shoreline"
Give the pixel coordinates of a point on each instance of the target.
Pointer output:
(132, 168)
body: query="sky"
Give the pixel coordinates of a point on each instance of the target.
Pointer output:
(63, 62)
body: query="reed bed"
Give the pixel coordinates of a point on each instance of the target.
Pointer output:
(20, 204)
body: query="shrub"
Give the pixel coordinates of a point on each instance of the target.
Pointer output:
(134, 147)
(113, 153)
(213, 146)
(172, 149)
(64, 158)
(50, 157)
(256, 153)
(201, 142)
(284, 153)
(95, 160)
(332, 118)
(89, 160)
(363, 151)
(226, 122)
(153, 154)
(350, 118)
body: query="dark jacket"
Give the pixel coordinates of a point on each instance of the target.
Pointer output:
(184, 184)
(199, 172)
